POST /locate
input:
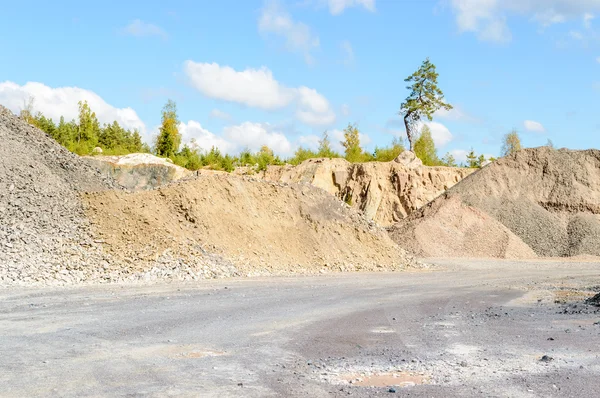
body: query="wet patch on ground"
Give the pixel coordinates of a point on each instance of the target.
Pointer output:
(400, 379)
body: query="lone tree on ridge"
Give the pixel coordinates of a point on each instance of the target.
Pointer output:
(424, 100)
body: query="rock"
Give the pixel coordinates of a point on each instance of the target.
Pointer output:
(595, 301)
(409, 160)
(392, 390)
(385, 192)
(546, 359)
(139, 171)
(97, 150)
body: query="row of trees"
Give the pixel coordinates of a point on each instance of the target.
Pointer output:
(167, 143)
(425, 99)
(84, 134)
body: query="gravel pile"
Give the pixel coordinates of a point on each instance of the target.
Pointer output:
(537, 202)
(45, 236)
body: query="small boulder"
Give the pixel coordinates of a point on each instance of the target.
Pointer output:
(409, 160)
(594, 300)
(97, 151)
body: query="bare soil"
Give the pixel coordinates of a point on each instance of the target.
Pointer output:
(537, 202)
(260, 227)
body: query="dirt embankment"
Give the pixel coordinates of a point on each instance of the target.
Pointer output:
(537, 202)
(257, 225)
(385, 192)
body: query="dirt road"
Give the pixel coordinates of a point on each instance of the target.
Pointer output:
(478, 328)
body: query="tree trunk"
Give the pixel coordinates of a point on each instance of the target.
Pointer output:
(408, 132)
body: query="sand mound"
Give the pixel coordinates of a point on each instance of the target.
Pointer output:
(257, 225)
(539, 201)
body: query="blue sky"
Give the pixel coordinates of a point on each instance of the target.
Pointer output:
(247, 73)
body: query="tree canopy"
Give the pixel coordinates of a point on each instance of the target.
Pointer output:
(168, 139)
(351, 144)
(424, 100)
(424, 148)
(511, 143)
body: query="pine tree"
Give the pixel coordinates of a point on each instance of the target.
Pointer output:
(472, 159)
(65, 132)
(136, 144)
(424, 100)
(480, 160)
(448, 160)
(110, 136)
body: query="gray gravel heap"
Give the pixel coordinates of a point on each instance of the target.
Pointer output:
(43, 231)
(45, 237)
(547, 199)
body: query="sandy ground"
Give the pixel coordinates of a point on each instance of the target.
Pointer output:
(470, 328)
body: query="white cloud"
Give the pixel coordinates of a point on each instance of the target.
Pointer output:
(481, 17)
(460, 155)
(309, 141)
(336, 7)
(496, 31)
(140, 28)
(440, 133)
(298, 37)
(254, 135)
(258, 88)
(548, 17)
(534, 126)
(487, 18)
(346, 109)
(348, 51)
(576, 35)
(587, 20)
(457, 113)
(252, 87)
(203, 138)
(62, 101)
(234, 138)
(219, 114)
(313, 108)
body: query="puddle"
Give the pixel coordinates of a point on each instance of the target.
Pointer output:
(400, 379)
(383, 330)
(565, 296)
(199, 354)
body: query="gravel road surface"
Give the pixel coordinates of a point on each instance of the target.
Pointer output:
(473, 328)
